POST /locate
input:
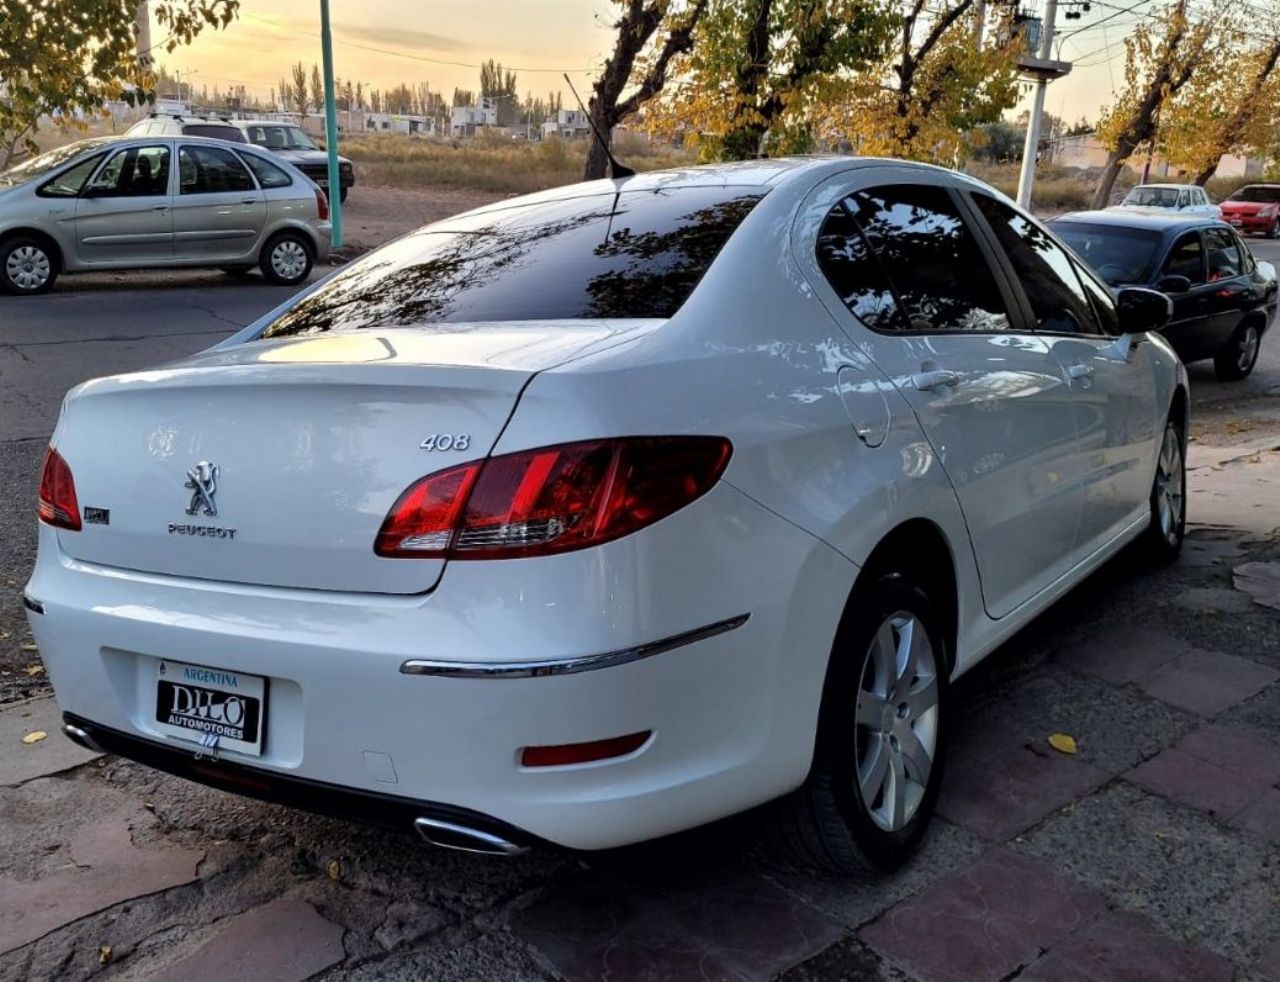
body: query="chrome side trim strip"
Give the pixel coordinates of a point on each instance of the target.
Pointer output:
(568, 666)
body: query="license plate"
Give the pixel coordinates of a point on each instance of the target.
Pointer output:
(323, 183)
(212, 707)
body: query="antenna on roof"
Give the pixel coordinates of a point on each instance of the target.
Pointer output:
(615, 169)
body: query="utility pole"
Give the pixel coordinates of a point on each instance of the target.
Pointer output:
(331, 126)
(1046, 69)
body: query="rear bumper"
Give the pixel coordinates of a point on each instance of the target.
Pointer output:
(1251, 223)
(732, 713)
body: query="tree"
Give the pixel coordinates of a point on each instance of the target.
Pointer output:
(298, 90)
(651, 34)
(499, 87)
(360, 96)
(65, 58)
(761, 71)
(1161, 57)
(1227, 112)
(941, 87)
(463, 97)
(317, 88)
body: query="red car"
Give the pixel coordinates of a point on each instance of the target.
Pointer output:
(1254, 208)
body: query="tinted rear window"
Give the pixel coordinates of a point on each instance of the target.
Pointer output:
(1118, 255)
(217, 132)
(1256, 193)
(632, 254)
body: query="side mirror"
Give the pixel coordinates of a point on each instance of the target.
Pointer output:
(1143, 310)
(1173, 283)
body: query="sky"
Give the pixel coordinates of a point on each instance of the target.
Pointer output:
(385, 42)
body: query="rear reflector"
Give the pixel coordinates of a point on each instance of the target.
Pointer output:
(552, 499)
(58, 505)
(584, 753)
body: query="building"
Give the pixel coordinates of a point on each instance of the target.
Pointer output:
(465, 120)
(406, 124)
(569, 123)
(1083, 152)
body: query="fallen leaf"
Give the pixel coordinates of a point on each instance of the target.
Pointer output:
(1063, 743)
(33, 670)
(104, 954)
(334, 870)
(26, 646)
(35, 736)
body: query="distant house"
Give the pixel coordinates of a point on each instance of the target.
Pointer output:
(465, 120)
(569, 123)
(1083, 151)
(403, 123)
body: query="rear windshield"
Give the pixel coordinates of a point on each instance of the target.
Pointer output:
(47, 163)
(217, 132)
(1118, 255)
(1256, 193)
(629, 254)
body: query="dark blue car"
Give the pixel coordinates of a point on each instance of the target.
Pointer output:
(1223, 299)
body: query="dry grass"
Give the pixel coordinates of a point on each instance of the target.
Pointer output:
(490, 163)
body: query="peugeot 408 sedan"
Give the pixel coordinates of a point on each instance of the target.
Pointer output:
(602, 513)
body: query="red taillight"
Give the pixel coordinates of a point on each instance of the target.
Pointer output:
(584, 753)
(552, 499)
(58, 505)
(322, 204)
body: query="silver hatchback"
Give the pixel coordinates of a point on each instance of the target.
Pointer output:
(158, 202)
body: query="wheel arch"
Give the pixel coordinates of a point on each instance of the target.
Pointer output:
(27, 231)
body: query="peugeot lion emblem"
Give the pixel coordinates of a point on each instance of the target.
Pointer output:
(203, 482)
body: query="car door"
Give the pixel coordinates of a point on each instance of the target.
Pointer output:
(1191, 328)
(990, 397)
(123, 216)
(1232, 291)
(1112, 385)
(219, 211)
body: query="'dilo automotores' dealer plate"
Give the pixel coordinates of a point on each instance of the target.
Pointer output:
(196, 703)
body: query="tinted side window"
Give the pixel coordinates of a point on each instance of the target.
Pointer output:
(930, 255)
(1186, 258)
(208, 170)
(630, 254)
(1246, 257)
(214, 130)
(1057, 297)
(267, 173)
(855, 273)
(69, 183)
(132, 173)
(1223, 254)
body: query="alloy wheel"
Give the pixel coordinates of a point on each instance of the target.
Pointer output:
(897, 721)
(1169, 485)
(1247, 348)
(28, 268)
(289, 259)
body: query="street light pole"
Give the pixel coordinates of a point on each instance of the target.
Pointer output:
(331, 126)
(1028, 175)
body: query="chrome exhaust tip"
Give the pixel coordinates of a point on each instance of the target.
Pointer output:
(81, 737)
(450, 835)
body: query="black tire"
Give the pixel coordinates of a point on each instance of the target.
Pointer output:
(28, 266)
(827, 823)
(342, 194)
(1164, 535)
(1238, 356)
(292, 271)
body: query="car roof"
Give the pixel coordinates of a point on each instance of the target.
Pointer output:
(1156, 221)
(1172, 187)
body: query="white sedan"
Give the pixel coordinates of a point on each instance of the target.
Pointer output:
(598, 514)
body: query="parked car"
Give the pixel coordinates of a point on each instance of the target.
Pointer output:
(172, 124)
(602, 513)
(1223, 299)
(1171, 197)
(295, 145)
(153, 202)
(1254, 208)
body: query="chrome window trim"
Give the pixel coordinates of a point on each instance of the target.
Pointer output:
(567, 666)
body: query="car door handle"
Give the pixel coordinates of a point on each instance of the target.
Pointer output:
(929, 381)
(248, 201)
(159, 207)
(1079, 370)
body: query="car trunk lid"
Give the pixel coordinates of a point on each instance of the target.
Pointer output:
(313, 439)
